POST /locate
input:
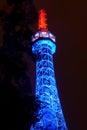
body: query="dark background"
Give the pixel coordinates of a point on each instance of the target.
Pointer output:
(68, 21)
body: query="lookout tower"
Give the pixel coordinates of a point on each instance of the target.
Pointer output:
(49, 115)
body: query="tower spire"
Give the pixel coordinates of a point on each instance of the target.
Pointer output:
(42, 22)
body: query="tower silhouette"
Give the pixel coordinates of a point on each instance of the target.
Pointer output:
(49, 114)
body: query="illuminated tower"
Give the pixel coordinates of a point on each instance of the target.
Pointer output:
(49, 115)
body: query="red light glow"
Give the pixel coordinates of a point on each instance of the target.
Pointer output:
(42, 25)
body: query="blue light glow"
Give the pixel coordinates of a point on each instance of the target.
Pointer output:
(50, 115)
(45, 44)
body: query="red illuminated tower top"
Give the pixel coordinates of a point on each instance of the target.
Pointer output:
(43, 28)
(42, 24)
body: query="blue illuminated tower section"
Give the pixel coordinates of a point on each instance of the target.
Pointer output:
(49, 115)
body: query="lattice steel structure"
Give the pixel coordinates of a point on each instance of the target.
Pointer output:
(49, 114)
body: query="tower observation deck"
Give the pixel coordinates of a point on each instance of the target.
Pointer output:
(49, 115)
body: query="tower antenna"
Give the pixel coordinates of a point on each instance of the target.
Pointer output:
(42, 22)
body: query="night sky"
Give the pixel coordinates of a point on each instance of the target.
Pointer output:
(68, 21)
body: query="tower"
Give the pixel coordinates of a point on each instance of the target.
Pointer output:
(49, 114)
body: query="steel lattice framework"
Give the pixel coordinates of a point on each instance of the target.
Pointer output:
(49, 115)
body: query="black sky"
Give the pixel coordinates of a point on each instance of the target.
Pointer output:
(68, 21)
